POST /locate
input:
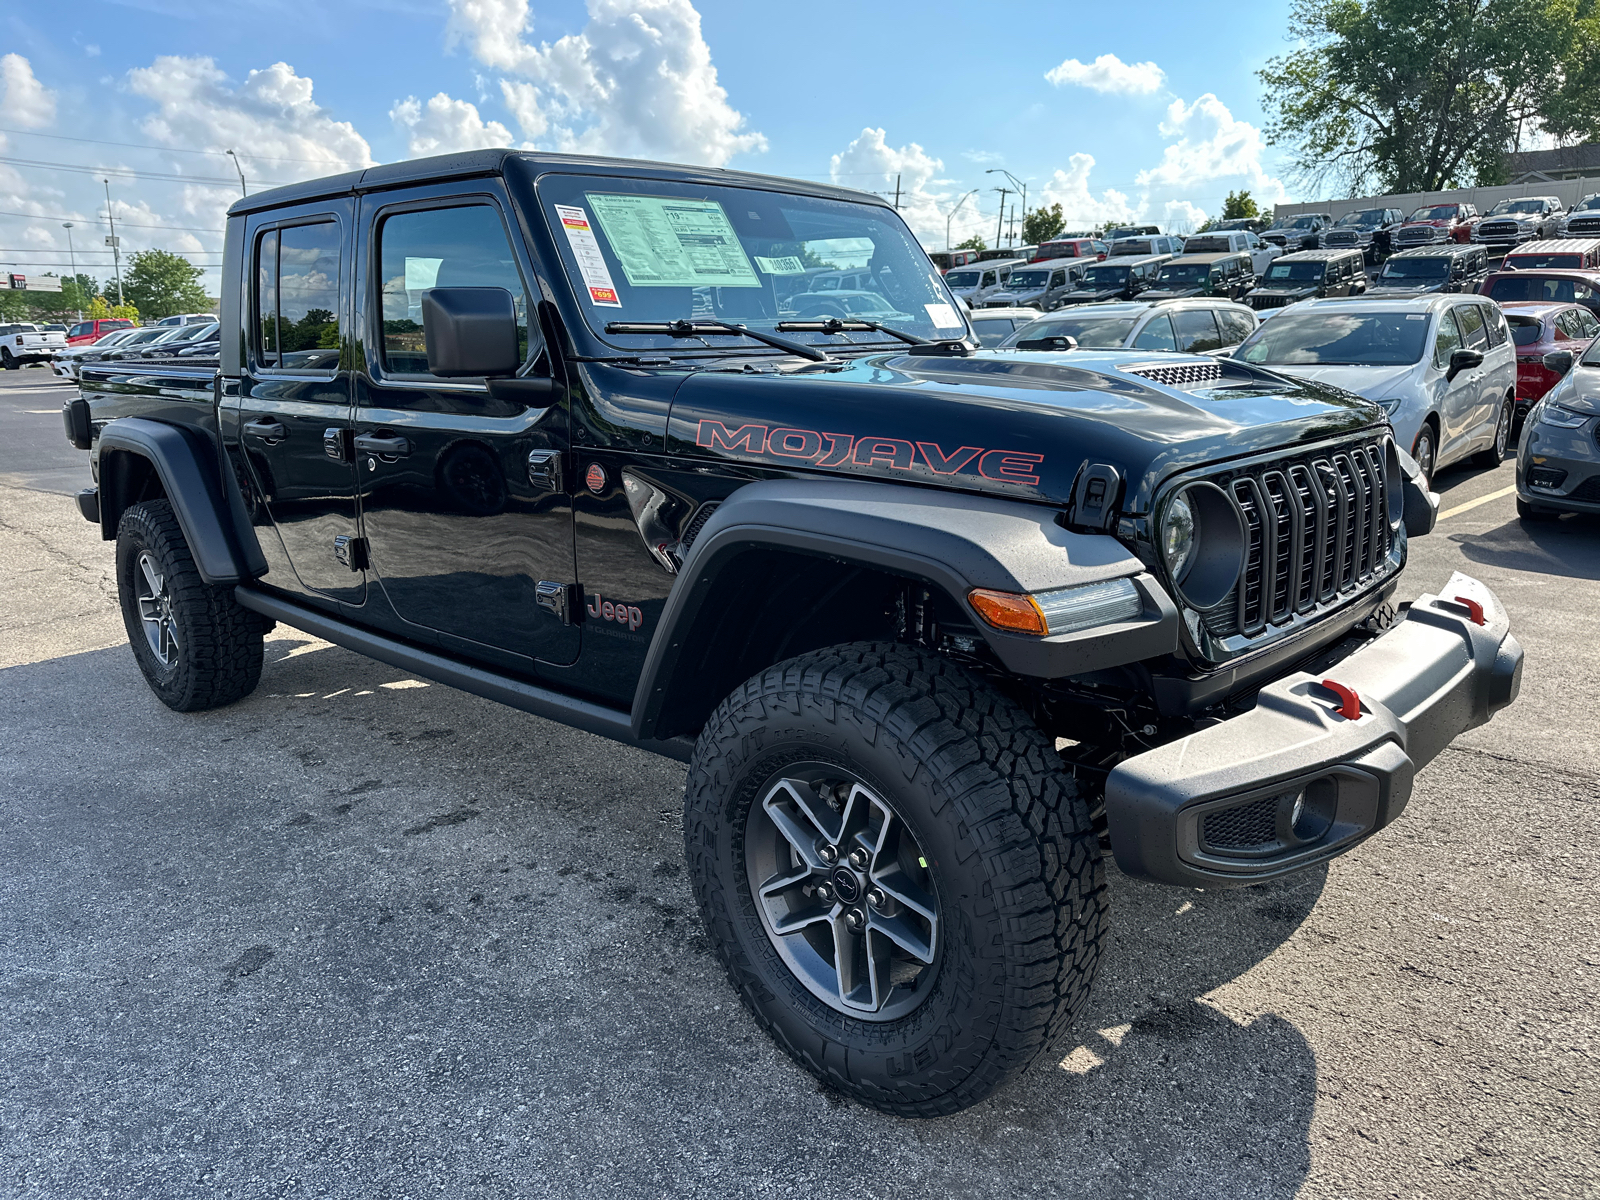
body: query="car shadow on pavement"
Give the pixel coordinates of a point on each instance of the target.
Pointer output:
(1567, 546)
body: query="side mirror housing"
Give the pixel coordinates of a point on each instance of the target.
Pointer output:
(470, 331)
(1463, 360)
(1559, 361)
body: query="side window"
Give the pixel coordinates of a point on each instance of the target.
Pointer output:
(1058, 278)
(1235, 326)
(1446, 341)
(1472, 333)
(80, 330)
(1563, 326)
(440, 247)
(1197, 330)
(1494, 321)
(1589, 325)
(1157, 335)
(297, 297)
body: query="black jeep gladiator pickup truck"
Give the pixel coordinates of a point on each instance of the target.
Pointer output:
(580, 435)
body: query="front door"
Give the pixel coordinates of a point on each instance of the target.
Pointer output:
(464, 496)
(294, 399)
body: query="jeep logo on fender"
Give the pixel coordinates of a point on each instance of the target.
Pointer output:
(785, 444)
(622, 614)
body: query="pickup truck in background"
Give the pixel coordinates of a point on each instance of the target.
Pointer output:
(23, 345)
(541, 428)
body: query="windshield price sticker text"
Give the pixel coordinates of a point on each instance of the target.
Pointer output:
(673, 243)
(793, 446)
(586, 252)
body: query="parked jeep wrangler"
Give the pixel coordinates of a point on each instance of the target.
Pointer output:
(537, 427)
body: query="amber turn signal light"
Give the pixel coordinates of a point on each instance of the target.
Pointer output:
(1006, 610)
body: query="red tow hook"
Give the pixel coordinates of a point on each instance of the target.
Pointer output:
(1349, 702)
(1474, 609)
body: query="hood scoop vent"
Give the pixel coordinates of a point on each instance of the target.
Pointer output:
(1176, 375)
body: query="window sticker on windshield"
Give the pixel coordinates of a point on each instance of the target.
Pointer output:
(788, 265)
(667, 242)
(421, 273)
(586, 252)
(943, 316)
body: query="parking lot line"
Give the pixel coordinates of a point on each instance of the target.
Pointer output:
(1461, 508)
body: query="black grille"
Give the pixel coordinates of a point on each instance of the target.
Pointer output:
(1417, 235)
(1589, 489)
(1499, 229)
(1584, 225)
(1342, 237)
(1244, 827)
(1317, 533)
(1260, 302)
(1206, 372)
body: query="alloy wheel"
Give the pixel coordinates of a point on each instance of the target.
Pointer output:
(1502, 431)
(1422, 451)
(843, 891)
(155, 610)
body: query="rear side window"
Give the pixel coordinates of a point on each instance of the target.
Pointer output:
(1472, 333)
(1235, 326)
(297, 297)
(80, 330)
(1495, 323)
(1197, 330)
(1525, 330)
(1157, 335)
(440, 247)
(1447, 341)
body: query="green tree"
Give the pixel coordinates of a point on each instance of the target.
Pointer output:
(1043, 225)
(973, 243)
(1422, 95)
(1238, 206)
(159, 284)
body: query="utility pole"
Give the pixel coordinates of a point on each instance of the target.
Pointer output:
(245, 191)
(116, 252)
(951, 217)
(897, 192)
(73, 259)
(1022, 187)
(999, 226)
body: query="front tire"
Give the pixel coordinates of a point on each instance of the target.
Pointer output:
(194, 643)
(1496, 453)
(941, 795)
(1426, 452)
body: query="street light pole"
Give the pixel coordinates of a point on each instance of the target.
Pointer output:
(73, 259)
(1022, 187)
(116, 251)
(1000, 224)
(951, 217)
(240, 169)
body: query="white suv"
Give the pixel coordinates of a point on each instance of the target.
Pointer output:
(1444, 367)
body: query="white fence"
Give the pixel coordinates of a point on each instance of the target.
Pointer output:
(1570, 191)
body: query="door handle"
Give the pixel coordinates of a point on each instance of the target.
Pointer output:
(271, 431)
(387, 446)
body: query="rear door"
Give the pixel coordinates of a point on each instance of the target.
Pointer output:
(465, 496)
(294, 397)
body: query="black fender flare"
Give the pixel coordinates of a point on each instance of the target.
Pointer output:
(207, 503)
(952, 541)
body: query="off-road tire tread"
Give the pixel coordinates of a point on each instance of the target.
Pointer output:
(221, 651)
(998, 779)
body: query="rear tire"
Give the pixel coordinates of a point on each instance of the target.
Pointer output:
(1496, 453)
(194, 643)
(7, 361)
(1012, 872)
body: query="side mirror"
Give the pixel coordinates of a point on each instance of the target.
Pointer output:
(1559, 361)
(470, 331)
(1056, 342)
(1463, 360)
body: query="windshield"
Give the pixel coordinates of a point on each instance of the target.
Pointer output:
(1524, 330)
(1182, 272)
(1517, 286)
(1416, 268)
(1516, 206)
(1588, 204)
(1091, 332)
(1023, 280)
(1372, 216)
(1438, 212)
(1370, 339)
(1299, 272)
(1106, 276)
(638, 250)
(1534, 261)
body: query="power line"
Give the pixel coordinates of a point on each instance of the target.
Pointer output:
(125, 224)
(121, 173)
(182, 150)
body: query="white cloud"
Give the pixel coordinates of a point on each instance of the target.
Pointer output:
(1081, 207)
(443, 125)
(1108, 73)
(870, 164)
(25, 101)
(1211, 144)
(1179, 216)
(638, 81)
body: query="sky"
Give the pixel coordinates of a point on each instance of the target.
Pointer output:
(1153, 119)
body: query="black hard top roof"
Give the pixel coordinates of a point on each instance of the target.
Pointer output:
(478, 163)
(1317, 255)
(1210, 256)
(1129, 260)
(1439, 250)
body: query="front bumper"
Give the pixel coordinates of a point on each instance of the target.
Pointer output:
(1559, 469)
(1219, 808)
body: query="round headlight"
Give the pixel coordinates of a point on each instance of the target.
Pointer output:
(1178, 529)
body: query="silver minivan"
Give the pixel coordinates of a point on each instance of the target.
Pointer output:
(974, 282)
(1444, 367)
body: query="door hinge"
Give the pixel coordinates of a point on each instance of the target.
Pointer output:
(544, 469)
(339, 444)
(558, 598)
(351, 551)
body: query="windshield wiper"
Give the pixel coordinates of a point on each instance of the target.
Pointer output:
(853, 325)
(702, 327)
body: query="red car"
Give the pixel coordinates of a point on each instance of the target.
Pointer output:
(85, 332)
(1538, 328)
(1071, 248)
(1433, 223)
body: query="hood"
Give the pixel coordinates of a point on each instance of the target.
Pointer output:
(1085, 296)
(1375, 383)
(1403, 289)
(1003, 422)
(1441, 223)
(1579, 391)
(1014, 294)
(1283, 289)
(1171, 293)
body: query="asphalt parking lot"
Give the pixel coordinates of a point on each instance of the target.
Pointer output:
(361, 936)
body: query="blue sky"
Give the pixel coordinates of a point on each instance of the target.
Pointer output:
(1156, 116)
